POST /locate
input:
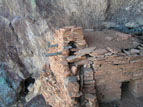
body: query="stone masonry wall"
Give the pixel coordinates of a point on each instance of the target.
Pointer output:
(62, 79)
(112, 71)
(97, 63)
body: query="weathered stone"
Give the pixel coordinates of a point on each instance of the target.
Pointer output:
(115, 51)
(141, 52)
(37, 101)
(110, 24)
(9, 85)
(90, 97)
(34, 90)
(108, 54)
(63, 87)
(91, 90)
(122, 36)
(74, 70)
(103, 43)
(109, 38)
(22, 45)
(94, 12)
(99, 52)
(131, 24)
(82, 62)
(85, 51)
(89, 82)
(134, 51)
(92, 100)
(72, 85)
(74, 58)
(136, 87)
(126, 52)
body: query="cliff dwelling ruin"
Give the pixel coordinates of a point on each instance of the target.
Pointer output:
(71, 53)
(87, 67)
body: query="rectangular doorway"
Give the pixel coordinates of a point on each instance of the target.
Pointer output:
(125, 91)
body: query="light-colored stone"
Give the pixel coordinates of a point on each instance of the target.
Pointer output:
(122, 36)
(85, 51)
(74, 70)
(99, 52)
(131, 24)
(74, 58)
(115, 51)
(134, 51)
(90, 97)
(34, 90)
(109, 38)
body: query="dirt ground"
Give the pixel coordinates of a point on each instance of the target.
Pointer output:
(109, 38)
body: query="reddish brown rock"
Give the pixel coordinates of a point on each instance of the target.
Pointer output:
(65, 88)
(82, 62)
(99, 52)
(85, 51)
(122, 36)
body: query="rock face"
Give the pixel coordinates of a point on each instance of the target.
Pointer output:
(92, 13)
(37, 101)
(23, 36)
(9, 83)
(126, 11)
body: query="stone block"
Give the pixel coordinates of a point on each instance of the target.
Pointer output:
(136, 87)
(74, 58)
(85, 51)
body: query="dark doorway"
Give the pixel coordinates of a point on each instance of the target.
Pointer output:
(125, 89)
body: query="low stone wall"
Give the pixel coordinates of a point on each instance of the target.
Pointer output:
(113, 70)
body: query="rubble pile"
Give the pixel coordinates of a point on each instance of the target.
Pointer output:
(86, 66)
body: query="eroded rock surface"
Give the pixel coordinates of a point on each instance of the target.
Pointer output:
(37, 101)
(23, 36)
(92, 13)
